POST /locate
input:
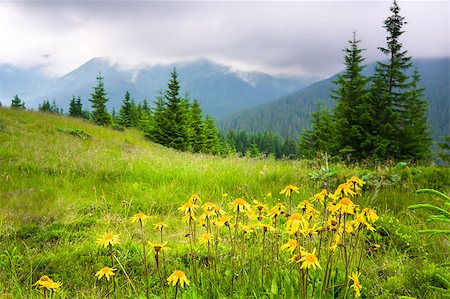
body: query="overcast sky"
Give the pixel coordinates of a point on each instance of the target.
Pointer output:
(295, 37)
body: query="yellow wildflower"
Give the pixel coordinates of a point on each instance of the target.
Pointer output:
(194, 198)
(344, 188)
(157, 247)
(355, 181)
(225, 195)
(240, 205)
(259, 206)
(277, 210)
(266, 227)
(160, 225)
(356, 284)
(47, 283)
(178, 276)
(208, 206)
(105, 271)
(310, 260)
(295, 258)
(219, 211)
(289, 189)
(207, 214)
(290, 245)
(247, 229)
(304, 205)
(320, 197)
(370, 214)
(224, 220)
(206, 239)
(332, 223)
(108, 240)
(345, 206)
(293, 223)
(188, 207)
(138, 217)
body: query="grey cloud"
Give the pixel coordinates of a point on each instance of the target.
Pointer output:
(304, 37)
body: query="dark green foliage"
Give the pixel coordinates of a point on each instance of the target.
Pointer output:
(395, 101)
(47, 107)
(176, 116)
(16, 103)
(267, 144)
(178, 123)
(211, 137)
(75, 132)
(320, 137)
(128, 115)
(350, 111)
(156, 132)
(382, 122)
(100, 115)
(197, 126)
(76, 107)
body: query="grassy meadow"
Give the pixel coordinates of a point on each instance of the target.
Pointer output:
(66, 184)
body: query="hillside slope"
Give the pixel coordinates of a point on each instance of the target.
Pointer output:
(290, 114)
(65, 183)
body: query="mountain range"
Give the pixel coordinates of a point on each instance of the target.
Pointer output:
(220, 90)
(251, 101)
(290, 114)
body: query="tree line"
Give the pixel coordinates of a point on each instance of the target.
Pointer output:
(381, 117)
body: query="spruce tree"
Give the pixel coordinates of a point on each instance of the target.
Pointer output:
(414, 136)
(393, 97)
(156, 132)
(351, 95)
(45, 106)
(76, 107)
(196, 124)
(125, 111)
(73, 107)
(79, 107)
(16, 103)
(320, 137)
(175, 116)
(100, 115)
(212, 140)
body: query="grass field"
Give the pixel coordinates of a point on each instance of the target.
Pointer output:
(65, 183)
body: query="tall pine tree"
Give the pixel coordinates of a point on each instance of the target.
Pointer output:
(392, 100)
(98, 98)
(197, 127)
(176, 116)
(351, 95)
(16, 103)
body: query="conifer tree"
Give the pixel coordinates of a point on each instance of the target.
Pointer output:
(76, 107)
(73, 107)
(100, 115)
(392, 95)
(45, 106)
(176, 116)
(196, 124)
(351, 95)
(16, 103)
(212, 140)
(125, 111)
(320, 137)
(156, 132)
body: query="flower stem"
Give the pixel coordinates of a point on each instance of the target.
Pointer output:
(145, 260)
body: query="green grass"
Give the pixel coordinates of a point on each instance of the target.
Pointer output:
(64, 182)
